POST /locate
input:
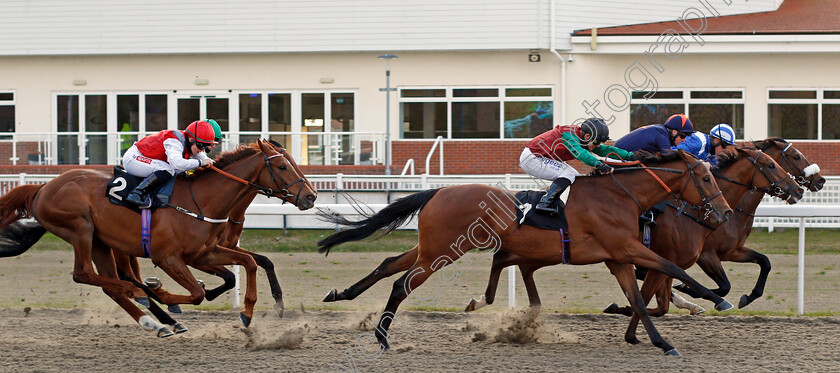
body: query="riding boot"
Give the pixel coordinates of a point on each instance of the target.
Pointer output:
(546, 205)
(141, 195)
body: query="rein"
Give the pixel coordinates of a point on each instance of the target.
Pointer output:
(282, 188)
(774, 189)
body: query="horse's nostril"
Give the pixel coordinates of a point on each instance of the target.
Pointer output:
(800, 191)
(728, 213)
(310, 198)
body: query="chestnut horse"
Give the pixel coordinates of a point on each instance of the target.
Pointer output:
(727, 242)
(74, 208)
(454, 220)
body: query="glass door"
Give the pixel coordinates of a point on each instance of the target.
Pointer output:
(193, 107)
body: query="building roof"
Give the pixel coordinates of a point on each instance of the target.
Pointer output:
(792, 17)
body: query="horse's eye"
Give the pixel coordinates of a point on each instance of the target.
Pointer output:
(282, 167)
(796, 157)
(706, 178)
(771, 166)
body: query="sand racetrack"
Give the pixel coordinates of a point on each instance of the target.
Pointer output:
(72, 327)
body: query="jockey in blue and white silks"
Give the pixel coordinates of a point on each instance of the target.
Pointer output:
(703, 146)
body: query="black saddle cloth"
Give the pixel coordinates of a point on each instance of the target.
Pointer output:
(123, 183)
(527, 200)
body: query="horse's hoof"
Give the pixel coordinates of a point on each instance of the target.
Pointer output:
(470, 306)
(245, 319)
(143, 301)
(631, 340)
(176, 309)
(744, 301)
(697, 311)
(179, 328)
(330, 297)
(152, 282)
(201, 283)
(672, 352)
(164, 332)
(612, 308)
(278, 307)
(724, 306)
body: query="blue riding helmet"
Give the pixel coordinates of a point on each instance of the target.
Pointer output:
(680, 122)
(724, 132)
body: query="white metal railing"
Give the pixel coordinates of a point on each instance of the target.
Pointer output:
(50, 148)
(438, 141)
(409, 165)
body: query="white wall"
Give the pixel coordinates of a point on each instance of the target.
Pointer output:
(60, 27)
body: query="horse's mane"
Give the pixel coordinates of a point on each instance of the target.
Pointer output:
(768, 142)
(655, 158)
(727, 158)
(229, 157)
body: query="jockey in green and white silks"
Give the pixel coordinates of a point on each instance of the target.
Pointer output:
(546, 155)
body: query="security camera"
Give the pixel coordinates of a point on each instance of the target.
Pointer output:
(533, 57)
(571, 58)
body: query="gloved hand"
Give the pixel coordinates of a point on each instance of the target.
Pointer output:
(603, 168)
(206, 162)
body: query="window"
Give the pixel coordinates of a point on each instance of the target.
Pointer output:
(7, 111)
(475, 113)
(804, 114)
(706, 108)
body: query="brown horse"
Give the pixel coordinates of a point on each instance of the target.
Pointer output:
(727, 242)
(680, 239)
(456, 219)
(74, 208)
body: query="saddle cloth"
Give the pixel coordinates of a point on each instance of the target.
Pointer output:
(123, 183)
(525, 214)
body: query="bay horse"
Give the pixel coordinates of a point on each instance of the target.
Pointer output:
(728, 242)
(74, 208)
(456, 219)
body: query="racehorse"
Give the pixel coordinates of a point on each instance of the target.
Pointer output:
(74, 208)
(454, 220)
(680, 239)
(727, 242)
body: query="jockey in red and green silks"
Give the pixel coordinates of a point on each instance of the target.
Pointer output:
(546, 155)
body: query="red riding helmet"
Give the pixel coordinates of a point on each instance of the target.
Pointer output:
(202, 132)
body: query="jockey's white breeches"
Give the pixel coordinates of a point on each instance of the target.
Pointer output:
(546, 168)
(137, 164)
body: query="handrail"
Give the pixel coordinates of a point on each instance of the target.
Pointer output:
(438, 140)
(408, 163)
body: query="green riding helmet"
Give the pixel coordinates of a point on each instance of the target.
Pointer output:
(216, 129)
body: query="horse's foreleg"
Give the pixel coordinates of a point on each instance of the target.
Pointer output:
(746, 255)
(103, 258)
(711, 266)
(389, 267)
(175, 267)
(416, 275)
(530, 285)
(268, 266)
(641, 256)
(220, 256)
(626, 277)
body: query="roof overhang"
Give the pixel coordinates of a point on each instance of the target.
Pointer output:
(691, 44)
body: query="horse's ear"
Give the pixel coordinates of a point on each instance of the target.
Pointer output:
(684, 154)
(264, 147)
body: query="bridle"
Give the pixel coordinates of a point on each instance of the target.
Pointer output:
(706, 200)
(774, 188)
(802, 178)
(283, 189)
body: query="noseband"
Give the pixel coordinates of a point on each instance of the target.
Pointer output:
(802, 178)
(282, 188)
(774, 188)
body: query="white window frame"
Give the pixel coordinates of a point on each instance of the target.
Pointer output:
(449, 99)
(687, 101)
(12, 104)
(819, 100)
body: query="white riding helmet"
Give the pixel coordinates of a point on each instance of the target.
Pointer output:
(724, 132)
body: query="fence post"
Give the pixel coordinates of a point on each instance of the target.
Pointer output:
(800, 301)
(511, 270)
(22, 179)
(236, 284)
(339, 185)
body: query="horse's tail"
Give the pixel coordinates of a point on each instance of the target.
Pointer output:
(18, 237)
(387, 219)
(17, 204)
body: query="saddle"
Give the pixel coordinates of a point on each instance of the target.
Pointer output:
(525, 214)
(123, 183)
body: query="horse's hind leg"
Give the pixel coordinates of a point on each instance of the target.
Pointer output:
(624, 273)
(389, 267)
(128, 269)
(103, 259)
(268, 266)
(223, 256)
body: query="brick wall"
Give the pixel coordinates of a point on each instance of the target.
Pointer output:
(24, 149)
(460, 157)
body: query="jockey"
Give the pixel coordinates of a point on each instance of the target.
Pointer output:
(545, 156)
(160, 156)
(657, 138)
(703, 146)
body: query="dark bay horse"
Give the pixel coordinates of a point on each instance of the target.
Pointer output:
(454, 220)
(727, 243)
(74, 208)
